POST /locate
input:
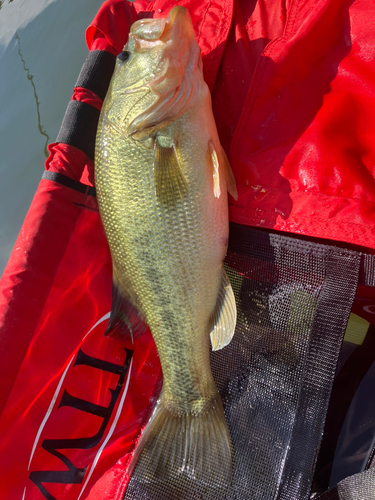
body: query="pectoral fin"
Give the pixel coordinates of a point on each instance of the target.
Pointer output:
(231, 181)
(170, 182)
(215, 166)
(224, 317)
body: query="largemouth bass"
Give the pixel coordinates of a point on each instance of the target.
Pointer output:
(162, 180)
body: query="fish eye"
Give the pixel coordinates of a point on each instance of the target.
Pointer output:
(123, 56)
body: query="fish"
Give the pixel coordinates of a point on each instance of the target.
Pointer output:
(162, 179)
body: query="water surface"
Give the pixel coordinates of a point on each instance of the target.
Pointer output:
(42, 49)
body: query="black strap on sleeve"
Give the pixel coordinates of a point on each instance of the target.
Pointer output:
(80, 122)
(68, 182)
(79, 126)
(96, 72)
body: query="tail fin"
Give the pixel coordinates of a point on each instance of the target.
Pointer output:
(195, 445)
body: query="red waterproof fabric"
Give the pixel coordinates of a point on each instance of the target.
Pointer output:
(79, 399)
(297, 123)
(302, 149)
(301, 146)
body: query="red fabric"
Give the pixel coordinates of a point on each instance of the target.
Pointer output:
(109, 30)
(84, 95)
(27, 279)
(70, 161)
(302, 149)
(57, 289)
(246, 41)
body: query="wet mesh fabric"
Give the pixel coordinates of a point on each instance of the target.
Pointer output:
(358, 487)
(275, 377)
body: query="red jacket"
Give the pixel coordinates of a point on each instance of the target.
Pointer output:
(294, 102)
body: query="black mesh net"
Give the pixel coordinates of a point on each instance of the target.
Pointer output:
(293, 298)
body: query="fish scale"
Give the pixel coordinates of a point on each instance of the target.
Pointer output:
(152, 233)
(167, 228)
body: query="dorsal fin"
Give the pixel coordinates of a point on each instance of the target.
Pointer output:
(224, 319)
(170, 182)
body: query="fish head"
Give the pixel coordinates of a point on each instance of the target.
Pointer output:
(157, 74)
(140, 60)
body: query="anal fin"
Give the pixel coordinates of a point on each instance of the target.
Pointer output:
(170, 182)
(225, 316)
(125, 321)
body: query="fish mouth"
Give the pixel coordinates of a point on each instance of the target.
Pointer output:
(178, 78)
(179, 22)
(147, 33)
